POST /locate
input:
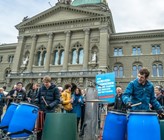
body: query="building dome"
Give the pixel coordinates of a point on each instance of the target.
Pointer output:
(84, 2)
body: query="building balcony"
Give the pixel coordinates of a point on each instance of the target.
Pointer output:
(65, 74)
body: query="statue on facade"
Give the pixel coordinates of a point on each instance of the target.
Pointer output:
(25, 18)
(25, 61)
(65, 1)
(94, 57)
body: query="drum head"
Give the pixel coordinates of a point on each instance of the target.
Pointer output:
(13, 103)
(144, 112)
(120, 112)
(23, 103)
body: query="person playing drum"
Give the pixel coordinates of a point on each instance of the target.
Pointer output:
(48, 98)
(17, 94)
(141, 91)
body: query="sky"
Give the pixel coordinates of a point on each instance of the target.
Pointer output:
(128, 15)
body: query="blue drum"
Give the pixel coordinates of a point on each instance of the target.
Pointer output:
(115, 126)
(23, 120)
(143, 126)
(8, 116)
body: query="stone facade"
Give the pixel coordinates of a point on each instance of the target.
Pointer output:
(47, 43)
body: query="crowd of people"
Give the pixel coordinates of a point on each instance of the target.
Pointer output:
(48, 97)
(71, 99)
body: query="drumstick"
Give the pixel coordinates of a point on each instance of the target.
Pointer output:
(136, 104)
(44, 101)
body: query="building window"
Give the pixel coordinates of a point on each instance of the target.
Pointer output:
(77, 54)
(157, 69)
(10, 58)
(80, 56)
(118, 52)
(135, 69)
(156, 49)
(55, 58)
(41, 55)
(136, 51)
(1, 59)
(58, 55)
(61, 58)
(74, 56)
(118, 69)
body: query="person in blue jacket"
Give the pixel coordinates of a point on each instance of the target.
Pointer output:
(77, 102)
(141, 90)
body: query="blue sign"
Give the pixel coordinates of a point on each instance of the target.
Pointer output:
(105, 85)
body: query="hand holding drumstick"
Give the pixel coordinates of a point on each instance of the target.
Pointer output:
(47, 106)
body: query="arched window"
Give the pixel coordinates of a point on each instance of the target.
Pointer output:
(135, 69)
(55, 58)
(10, 58)
(61, 57)
(39, 58)
(41, 55)
(58, 55)
(44, 57)
(81, 56)
(74, 57)
(157, 69)
(77, 54)
(118, 70)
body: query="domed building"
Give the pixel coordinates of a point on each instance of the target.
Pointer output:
(73, 42)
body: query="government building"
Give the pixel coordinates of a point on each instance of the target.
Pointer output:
(73, 42)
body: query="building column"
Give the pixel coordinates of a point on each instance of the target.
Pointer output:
(48, 54)
(66, 50)
(86, 49)
(17, 57)
(103, 48)
(32, 50)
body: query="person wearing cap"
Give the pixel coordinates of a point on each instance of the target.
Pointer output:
(141, 90)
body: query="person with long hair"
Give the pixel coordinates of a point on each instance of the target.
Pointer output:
(77, 102)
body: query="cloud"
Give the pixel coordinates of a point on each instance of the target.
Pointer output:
(128, 15)
(137, 15)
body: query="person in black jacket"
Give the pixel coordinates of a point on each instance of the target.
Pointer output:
(2, 101)
(48, 98)
(32, 93)
(158, 95)
(118, 104)
(17, 94)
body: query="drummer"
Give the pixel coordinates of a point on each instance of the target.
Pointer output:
(141, 91)
(48, 98)
(17, 94)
